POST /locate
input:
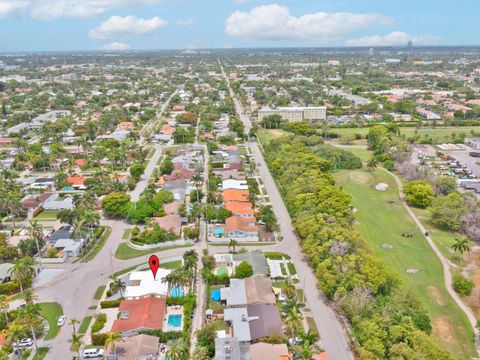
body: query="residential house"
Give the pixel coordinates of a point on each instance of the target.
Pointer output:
(140, 314)
(264, 351)
(234, 184)
(256, 259)
(55, 203)
(250, 291)
(77, 182)
(229, 348)
(170, 222)
(138, 347)
(238, 227)
(142, 284)
(240, 208)
(235, 195)
(254, 322)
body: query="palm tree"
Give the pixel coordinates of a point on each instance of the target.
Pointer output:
(112, 339)
(119, 285)
(190, 259)
(293, 322)
(306, 350)
(79, 229)
(372, 163)
(461, 245)
(14, 334)
(288, 288)
(233, 244)
(176, 351)
(74, 321)
(36, 232)
(30, 317)
(309, 336)
(29, 296)
(22, 271)
(4, 301)
(200, 353)
(149, 193)
(77, 343)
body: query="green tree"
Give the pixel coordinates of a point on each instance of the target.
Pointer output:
(176, 350)
(288, 288)
(137, 170)
(446, 211)
(243, 270)
(114, 204)
(113, 338)
(461, 245)
(445, 185)
(306, 350)
(233, 245)
(293, 321)
(462, 285)
(419, 193)
(77, 343)
(23, 271)
(119, 285)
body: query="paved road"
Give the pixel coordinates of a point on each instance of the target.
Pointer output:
(333, 336)
(143, 182)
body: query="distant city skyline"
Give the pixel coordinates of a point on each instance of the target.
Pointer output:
(68, 25)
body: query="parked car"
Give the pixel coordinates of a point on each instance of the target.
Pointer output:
(92, 353)
(25, 342)
(61, 320)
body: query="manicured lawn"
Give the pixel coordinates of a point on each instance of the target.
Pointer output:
(291, 269)
(40, 355)
(124, 252)
(51, 312)
(311, 326)
(98, 245)
(439, 134)
(381, 221)
(172, 265)
(84, 325)
(126, 234)
(99, 292)
(363, 154)
(47, 215)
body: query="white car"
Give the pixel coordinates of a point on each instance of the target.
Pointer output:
(92, 353)
(25, 342)
(61, 320)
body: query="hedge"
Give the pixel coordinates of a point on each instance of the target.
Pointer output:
(107, 304)
(9, 288)
(99, 323)
(99, 339)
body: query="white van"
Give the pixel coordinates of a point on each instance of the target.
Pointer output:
(92, 353)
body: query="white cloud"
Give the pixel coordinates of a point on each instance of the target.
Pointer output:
(116, 46)
(185, 22)
(53, 9)
(8, 7)
(274, 22)
(117, 26)
(393, 39)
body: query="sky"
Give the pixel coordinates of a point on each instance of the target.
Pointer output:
(68, 25)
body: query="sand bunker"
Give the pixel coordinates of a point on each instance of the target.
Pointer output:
(381, 187)
(412, 271)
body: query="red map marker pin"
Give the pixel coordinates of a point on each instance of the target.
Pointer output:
(154, 264)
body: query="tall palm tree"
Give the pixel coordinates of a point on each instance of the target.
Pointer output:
(113, 338)
(119, 285)
(29, 296)
(288, 288)
(176, 351)
(79, 229)
(23, 271)
(14, 334)
(4, 301)
(233, 244)
(149, 193)
(77, 343)
(190, 259)
(30, 317)
(36, 232)
(461, 245)
(74, 321)
(293, 322)
(306, 350)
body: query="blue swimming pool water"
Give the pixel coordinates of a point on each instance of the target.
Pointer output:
(218, 232)
(176, 291)
(174, 321)
(216, 295)
(68, 188)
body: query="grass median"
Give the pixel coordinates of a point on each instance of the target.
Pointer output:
(51, 311)
(125, 252)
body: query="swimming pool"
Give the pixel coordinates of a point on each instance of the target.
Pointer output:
(174, 322)
(68, 188)
(216, 295)
(176, 291)
(218, 232)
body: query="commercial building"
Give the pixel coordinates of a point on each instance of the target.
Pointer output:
(293, 114)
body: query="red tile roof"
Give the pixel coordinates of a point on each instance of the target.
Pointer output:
(76, 180)
(235, 195)
(146, 313)
(235, 223)
(240, 207)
